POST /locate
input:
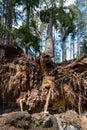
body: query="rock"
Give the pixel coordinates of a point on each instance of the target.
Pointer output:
(71, 127)
(47, 121)
(42, 121)
(16, 120)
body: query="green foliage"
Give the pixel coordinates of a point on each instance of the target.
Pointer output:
(61, 16)
(11, 3)
(44, 16)
(65, 18)
(76, 13)
(25, 38)
(84, 47)
(26, 35)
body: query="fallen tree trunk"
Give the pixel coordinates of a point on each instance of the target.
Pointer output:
(42, 85)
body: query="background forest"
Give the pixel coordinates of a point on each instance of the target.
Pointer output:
(53, 26)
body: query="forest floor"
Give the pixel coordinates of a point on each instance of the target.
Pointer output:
(39, 94)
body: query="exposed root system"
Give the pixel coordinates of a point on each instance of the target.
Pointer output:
(40, 84)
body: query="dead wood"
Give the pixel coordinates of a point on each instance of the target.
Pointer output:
(41, 84)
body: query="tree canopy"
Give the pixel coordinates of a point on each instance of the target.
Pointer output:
(67, 21)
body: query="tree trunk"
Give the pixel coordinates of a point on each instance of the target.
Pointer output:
(49, 47)
(4, 19)
(63, 45)
(27, 20)
(63, 51)
(2, 23)
(27, 13)
(72, 48)
(9, 21)
(0, 32)
(78, 39)
(26, 49)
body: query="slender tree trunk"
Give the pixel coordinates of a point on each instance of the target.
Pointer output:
(72, 48)
(5, 32)
(9, 22)
(27, 20)
(63, 51)
(1, 31)
(78, 39)
(26, 49)
(4, 19)
(49, 47)
(0, 34)
(27, 13)
(63, 45)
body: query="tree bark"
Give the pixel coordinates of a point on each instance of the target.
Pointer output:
(27, 20)
(27, 13)
(78, 39)
(49, 47)
(72, 48)
(63, 45)
(9, 21)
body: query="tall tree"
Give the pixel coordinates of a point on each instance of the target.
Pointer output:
(58, 16)
(72, 46)
(76, 15)
(49, 47)
(27, 34)
(84, 46)
(7, 17)
(80, 23)
(46, 16)
(65, 18)
(2, 21)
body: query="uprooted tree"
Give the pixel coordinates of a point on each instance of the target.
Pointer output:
(41, 85)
